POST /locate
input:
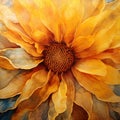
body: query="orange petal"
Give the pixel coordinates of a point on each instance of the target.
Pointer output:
(86, 101)
(100, 111)
(72, 13)
(59, 101)
(81, 43)
(69, 79)
(16, 84)
(112, 55)
(56, 106)
(4, 63)
(4, 43)
(79, 113)
(106, 36)
(6, 76)
(91, 66)
(37, 98)
(38, 80)
(19, 58)
(39, 32)
(12, 24)
(15, 38)
(40, 112)
(48, 13)
(112, 77)
(22, 15)
(60, 97)
(97, 87)
(93, 7)
(86, 28)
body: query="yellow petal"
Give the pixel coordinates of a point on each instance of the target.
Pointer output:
(59, 98)
(81, 43)
(72, 13)
(19, 58)
(37, 98)
(15, 38)
(91, 66)
(112, 55)
(97, 87)
(38, 80)
(69, 79)
(52, 114)
(56, 106)
(6, 76)
(48, 13)
(16, 85)
(93, 7)
(87, 27)
(112, 77)
(39, 32)
(22, 15)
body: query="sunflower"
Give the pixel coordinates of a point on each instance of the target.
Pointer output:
(60, 60)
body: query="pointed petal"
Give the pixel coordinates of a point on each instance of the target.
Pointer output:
(6, 76)
(22, 15)
(72, 13)
(67, 108)
(52, 114)
(69, 79)
(97, 110)
(93, 7)
(81, 43)
(86, 28)
(39, 32)
(12, 24)
(16, 84)
(15, 38)
(97, 87)
(38, 80)
(37, 98)
(112, 55)
(19, 58)
(91, 66)
(48, 8)
(59, 98)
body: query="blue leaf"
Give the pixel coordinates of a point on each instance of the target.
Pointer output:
(7, 115)
(6, 104)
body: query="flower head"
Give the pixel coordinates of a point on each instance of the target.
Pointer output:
(61, 58)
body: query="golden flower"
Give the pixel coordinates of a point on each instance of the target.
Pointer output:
(61, 58)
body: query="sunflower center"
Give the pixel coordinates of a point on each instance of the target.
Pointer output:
(58, 57)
